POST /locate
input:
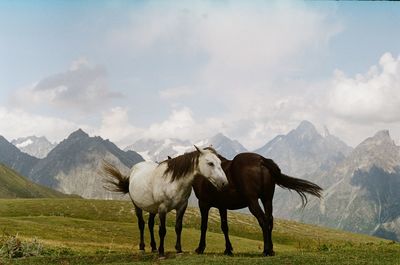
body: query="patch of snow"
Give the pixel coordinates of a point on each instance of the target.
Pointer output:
(180, 149)
(202, 143)
(24, 144)
(145, 155)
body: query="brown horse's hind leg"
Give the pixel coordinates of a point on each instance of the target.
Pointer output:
(256, 210)
(204, 209)
(270, 225)
(141, 224)
(225, 229)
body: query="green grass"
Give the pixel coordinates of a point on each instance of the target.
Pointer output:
(77, 231)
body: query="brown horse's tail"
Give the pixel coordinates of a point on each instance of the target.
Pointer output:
(113, 178)
(301, 186)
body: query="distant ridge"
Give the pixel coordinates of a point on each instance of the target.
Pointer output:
(304, 151)
(35, 146)
(15, 158)
(224, 145)
(159, 150)
(73, 166)
(13, 185)
(364, 193)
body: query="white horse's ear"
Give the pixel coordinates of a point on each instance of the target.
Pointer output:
(198, 149)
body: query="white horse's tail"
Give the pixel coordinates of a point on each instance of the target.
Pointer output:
(113, 178)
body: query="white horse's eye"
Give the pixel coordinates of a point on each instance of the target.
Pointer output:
(211, 164)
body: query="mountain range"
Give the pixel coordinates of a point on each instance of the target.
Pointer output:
(159, 150)
(362, 185)
(303, 153)
(73, 166)
(364, 195)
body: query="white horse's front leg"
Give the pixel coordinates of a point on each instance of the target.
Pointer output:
(178, 225)
(162, 213)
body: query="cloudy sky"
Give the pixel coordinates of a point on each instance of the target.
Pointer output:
(125, 70)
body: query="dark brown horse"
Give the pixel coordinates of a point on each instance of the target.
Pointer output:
(251, 177)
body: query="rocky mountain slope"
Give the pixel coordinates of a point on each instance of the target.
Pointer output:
(365, 194)
(12, 157)
(304, 151)
(73, 166)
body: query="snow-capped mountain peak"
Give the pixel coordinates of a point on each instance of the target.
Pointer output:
(159, 150)
(35, 146)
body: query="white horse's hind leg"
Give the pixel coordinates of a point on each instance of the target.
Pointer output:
(141, 224)
(151, 229)
(162, 231)
(178, 226)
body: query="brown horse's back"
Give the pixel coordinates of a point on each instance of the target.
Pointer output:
(247, 177)
(251, 176)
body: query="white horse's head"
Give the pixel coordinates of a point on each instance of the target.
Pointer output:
(210, 167)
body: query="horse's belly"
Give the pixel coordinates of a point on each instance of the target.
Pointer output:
(171, 194)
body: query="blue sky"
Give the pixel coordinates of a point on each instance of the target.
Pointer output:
(132, 69)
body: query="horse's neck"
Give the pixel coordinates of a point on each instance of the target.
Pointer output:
(161, 174)
(186, 181)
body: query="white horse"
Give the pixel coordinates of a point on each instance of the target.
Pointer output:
(160, 188)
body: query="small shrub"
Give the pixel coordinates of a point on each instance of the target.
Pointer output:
(12, 247)
(324, 247)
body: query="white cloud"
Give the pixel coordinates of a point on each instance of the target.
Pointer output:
(115, 125)
(370, 97)
(18, 123)
(175, 93)
(248, 46)
(83, 88)
(179, 124)
(244, 48)
(241, 44)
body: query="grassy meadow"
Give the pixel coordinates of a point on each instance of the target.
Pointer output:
(78, 231)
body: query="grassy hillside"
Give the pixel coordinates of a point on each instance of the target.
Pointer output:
(13, 185)
(77, 231)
